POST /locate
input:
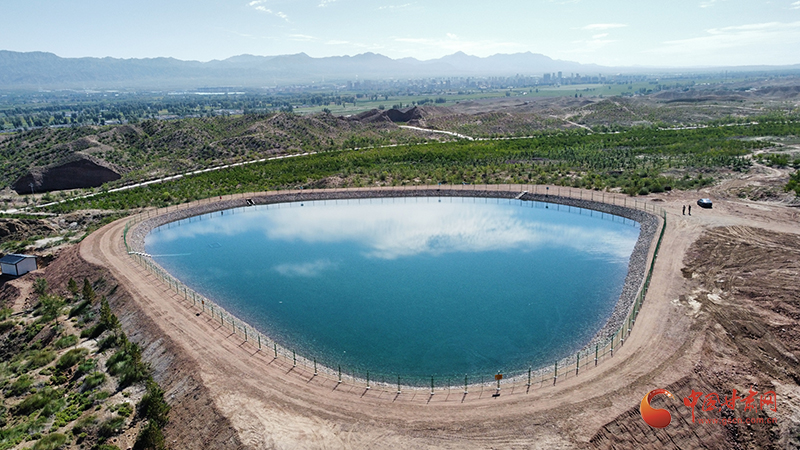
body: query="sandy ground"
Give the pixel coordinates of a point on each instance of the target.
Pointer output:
(270, 404)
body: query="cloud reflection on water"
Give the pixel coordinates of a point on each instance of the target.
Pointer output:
(309, 269)
(396, 229)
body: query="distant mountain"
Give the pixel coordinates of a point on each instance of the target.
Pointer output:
(39, 70)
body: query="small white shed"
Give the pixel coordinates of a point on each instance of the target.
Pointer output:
(16, 265)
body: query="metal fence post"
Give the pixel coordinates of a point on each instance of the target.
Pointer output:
(555, 374)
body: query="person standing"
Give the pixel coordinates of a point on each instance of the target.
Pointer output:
(684, 210)
(690, 210)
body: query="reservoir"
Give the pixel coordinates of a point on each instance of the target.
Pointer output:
(417, 286)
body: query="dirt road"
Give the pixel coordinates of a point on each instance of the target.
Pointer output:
(270, 404)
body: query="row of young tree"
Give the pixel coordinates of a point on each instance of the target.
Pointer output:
(637, 161)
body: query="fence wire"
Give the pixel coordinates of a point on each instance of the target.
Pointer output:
(523, 378)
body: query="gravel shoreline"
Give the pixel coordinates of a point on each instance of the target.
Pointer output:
(637, 267)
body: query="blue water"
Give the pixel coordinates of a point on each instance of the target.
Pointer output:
(409, 286)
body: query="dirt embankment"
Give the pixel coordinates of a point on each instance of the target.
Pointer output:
(721, 314)
(194, 420)
(75, 172)
(745, 316)
(20, 229)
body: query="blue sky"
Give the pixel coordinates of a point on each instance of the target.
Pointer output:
(684, 33)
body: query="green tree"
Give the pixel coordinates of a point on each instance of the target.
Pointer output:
(152, 406)
(108, 320)
(72, 286)
(88, 292)
(150, 438)
(40, 286)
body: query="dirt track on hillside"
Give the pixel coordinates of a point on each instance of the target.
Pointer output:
(684, 338)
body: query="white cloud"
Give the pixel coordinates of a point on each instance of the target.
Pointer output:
(396, 229)
(324, 3)
(302, 37)
(597, 41)
(309, 269)
(604, 26)
(404, 5)
(740, 36)
(258, 5)
(795, 5)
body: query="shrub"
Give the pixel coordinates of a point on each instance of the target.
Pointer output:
(32, 330)
(51, 442)
(93, 380)
(71, 358)
(152, 405)
(105, 447)
(39, 358)
(111, 426)
(46, 399)
(125, 409)
(150, 438)
(127, 364)
(20, 386)
(83, 423)
(77, 309)
(5, 326)
(40, 286)
(66, 341)
(49, 307)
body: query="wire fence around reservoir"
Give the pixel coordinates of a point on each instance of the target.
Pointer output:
(520, 378)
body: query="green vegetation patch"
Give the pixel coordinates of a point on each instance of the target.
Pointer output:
(36, 408)
(51, 442)
(71, 358)
(66, 341)
(637, 160)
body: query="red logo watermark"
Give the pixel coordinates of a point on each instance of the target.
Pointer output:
(660, 418)
(656, 418)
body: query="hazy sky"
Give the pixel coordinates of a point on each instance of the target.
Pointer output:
(609, 32)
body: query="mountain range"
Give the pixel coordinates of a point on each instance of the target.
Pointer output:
(40, 70)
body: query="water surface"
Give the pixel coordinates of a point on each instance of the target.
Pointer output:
(411, 286)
